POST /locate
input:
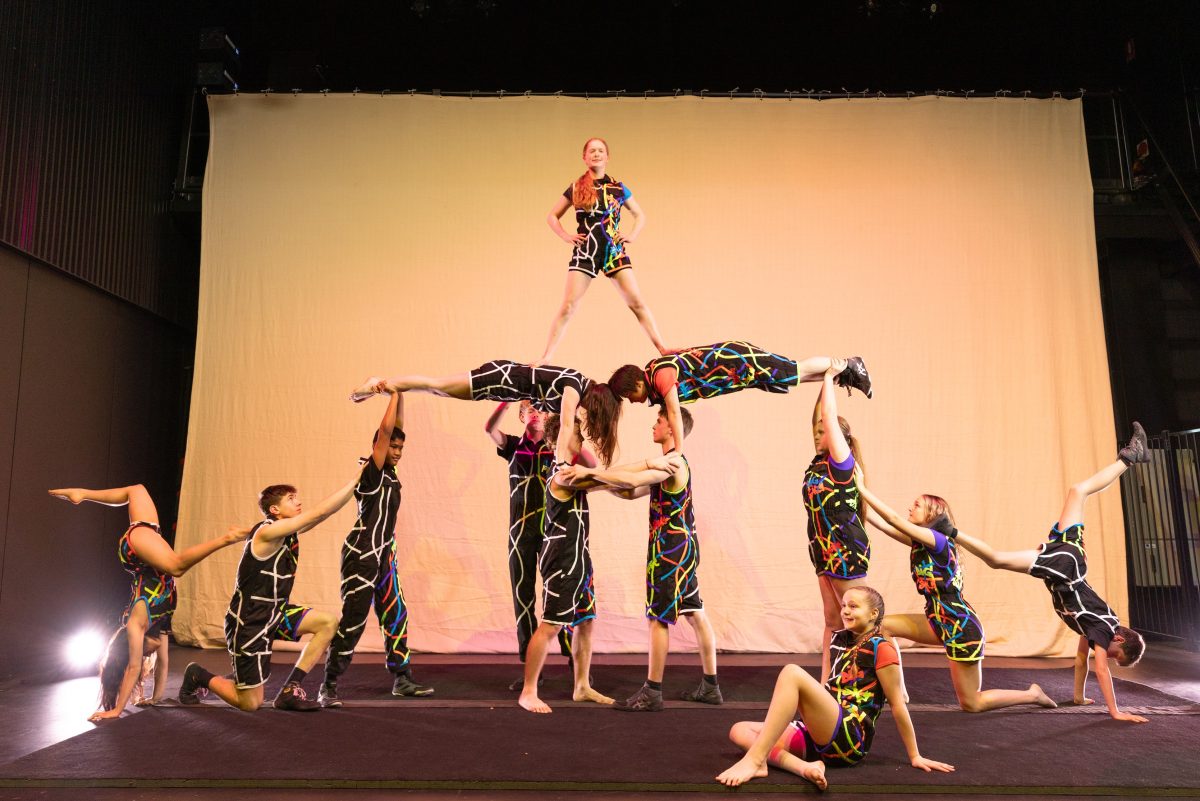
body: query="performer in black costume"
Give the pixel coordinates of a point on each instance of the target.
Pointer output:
(260, 610)
(1062, 563)
(369, 574)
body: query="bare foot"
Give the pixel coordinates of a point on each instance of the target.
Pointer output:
(588, 694)
(1085, 702)
(815, 773)
(75, 496)
(743, 771)
(530, 702)
(366, 389)
(1042, 698)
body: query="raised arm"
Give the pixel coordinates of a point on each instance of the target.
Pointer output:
(383, 438)
(839, 449)
(674, 418)
(492, 426)
(552, 219)
(890, 680)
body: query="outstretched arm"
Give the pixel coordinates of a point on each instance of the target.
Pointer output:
(566, 425)
(492, 426)
(1016, 561)
(674, 416)
(383, 438)
(890, 679)
(878, 522)
(913, 532)
(310, 518)
(629, 476)
(135, 632)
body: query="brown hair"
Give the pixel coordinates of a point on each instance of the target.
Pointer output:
(875, 601)
(112, 667)
(273, 495)
(625, 379)
(1133, 647)
(583, 194)
(684, 415)
(603, 414)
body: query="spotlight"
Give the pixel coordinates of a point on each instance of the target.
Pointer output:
(84, 648)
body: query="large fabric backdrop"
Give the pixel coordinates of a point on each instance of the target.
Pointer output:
(948, 241)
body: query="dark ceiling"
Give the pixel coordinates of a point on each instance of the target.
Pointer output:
(880, 45)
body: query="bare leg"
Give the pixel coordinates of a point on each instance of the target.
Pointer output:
(660, 643)
(627, 286)
(705, 639)
(743, 735)
(813, 368)
(245, 700)
(1072, 511)
(535, 657)
(577, 285)
(322, 626)
(910, 627)
(796, 694)
(451, 386)
(581, 650)
(141, 505)
(968, 678)
(831, 603)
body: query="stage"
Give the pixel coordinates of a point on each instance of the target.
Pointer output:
(471, 739)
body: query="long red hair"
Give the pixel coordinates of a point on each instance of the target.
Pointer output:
(583, 195)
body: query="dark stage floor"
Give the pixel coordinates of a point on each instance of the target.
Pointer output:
(472, 739)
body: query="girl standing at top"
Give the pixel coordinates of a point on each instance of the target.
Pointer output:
(599, 244)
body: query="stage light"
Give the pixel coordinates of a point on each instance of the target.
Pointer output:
(84, 648)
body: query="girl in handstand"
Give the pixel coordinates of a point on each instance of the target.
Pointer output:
(154, 565)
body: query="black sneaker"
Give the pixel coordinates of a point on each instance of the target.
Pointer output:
(644, 700)
(190, 691)
(704, 694)
(1136, 450)
(855, 376)
(328, 697)
(293, 698)
(405, 687)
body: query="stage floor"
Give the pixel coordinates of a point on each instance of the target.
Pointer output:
(470, 738)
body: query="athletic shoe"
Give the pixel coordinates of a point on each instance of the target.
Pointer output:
(644, 700)
(190, 691)
(704, 694)
(293, 699)
(328, 697)
(405, 687)
(854, 376)
(1136, 450)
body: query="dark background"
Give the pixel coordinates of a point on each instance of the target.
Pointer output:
(99, 221)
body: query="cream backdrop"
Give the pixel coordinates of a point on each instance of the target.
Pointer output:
(948, 241)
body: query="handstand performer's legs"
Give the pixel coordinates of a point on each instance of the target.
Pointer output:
(1072, 511)
(141, 505)
(797, 695)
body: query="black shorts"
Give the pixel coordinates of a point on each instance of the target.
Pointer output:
(596, 260)
(251, 652)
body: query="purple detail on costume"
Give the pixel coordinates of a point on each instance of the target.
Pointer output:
(846, 465)
(939, 541)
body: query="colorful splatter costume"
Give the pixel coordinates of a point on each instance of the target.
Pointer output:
(672, 583)
(600, 252)
(568, 591)
(1062, 563)
(259, 611)
(855, 684)
(150, 586)
(529, 465)
(504, 380)
(837, 542)
(369, 574)
(938, 575)
(707, 371)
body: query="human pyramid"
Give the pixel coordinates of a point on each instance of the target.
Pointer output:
(810, 723)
